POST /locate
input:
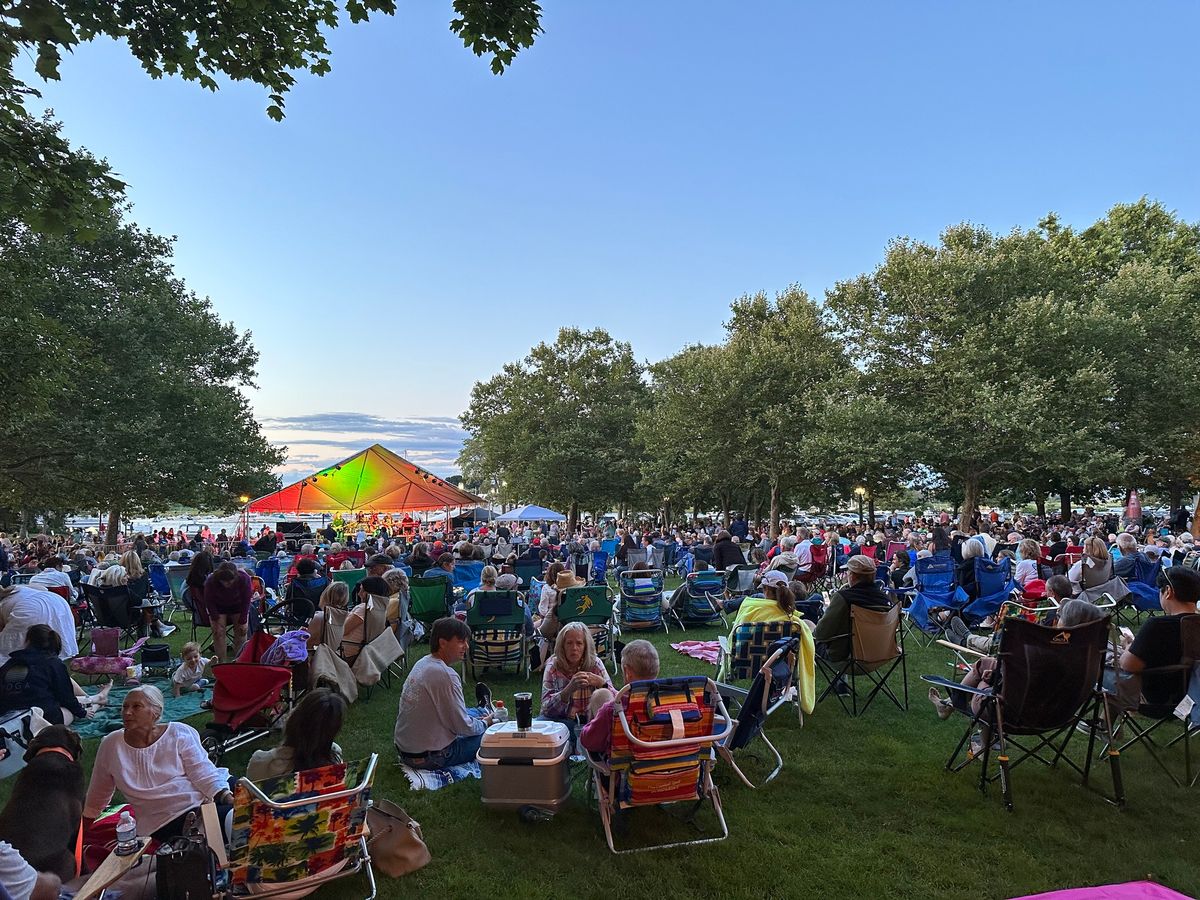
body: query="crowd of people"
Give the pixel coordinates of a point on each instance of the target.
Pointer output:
(163, 771)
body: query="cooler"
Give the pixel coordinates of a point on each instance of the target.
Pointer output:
(526, 768)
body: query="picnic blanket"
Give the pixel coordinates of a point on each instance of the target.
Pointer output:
(108, 718)
(709, 651)
(1131, 890)
(432, 779)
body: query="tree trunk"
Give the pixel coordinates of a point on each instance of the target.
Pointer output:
(871, 510)
(970, 501)
(666, 515)
(774, 509)
(1176, 501)
(114, 527)
(573, 517)
(1064, 508)
(1039, 500)
(725, 517)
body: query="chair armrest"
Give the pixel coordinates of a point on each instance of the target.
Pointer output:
(956, 686)
(959, 648)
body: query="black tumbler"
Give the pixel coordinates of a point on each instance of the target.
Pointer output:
(524, 710)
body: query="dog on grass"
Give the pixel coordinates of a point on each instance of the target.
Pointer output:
(45, 810)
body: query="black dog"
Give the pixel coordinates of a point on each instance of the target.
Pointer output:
(45, 810)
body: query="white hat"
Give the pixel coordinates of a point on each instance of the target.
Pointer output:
(775, 577)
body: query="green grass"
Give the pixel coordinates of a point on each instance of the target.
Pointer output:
(863, 808)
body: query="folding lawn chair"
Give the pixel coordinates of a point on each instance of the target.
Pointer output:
(1047, 682)
(663, 736)
(1175, 713)
(114, 607)
(775, 685)
(994, 581)
(876, 650)
(429, 599)
(633, 557)
(498, 638)
(740, 581)
(592, 605)
(527, 572)
(268, 571)
(1142, 599)
(746, 651)
(598, 573)
(702, 595)
(641, 601)
(348, 577)
(936, 590)
(818, 572)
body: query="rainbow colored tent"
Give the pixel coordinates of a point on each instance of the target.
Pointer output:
(372, 480)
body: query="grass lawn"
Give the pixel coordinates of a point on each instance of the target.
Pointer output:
(863, 808)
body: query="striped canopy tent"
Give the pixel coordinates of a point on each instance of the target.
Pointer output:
(372, 480)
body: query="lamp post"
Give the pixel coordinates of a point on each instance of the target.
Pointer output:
(244, 500)
(862, 492)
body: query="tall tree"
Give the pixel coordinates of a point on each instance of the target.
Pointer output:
(129, 391)
(50, 186)
(560, 425)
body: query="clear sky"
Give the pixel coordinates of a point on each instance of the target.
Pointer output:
(416, 222)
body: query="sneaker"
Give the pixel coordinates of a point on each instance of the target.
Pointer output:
(166, 629)
(945, 709)
(958, 631)
(483, 695)
(841, 688)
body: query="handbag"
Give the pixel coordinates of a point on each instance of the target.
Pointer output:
(396, 844)
(185, 866)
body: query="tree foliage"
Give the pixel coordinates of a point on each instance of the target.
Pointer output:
(52, 187)
(126, 385)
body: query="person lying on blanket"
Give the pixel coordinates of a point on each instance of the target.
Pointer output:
(639, 662)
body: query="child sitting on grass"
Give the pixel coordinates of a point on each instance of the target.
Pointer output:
(639, 662)
(190, 674)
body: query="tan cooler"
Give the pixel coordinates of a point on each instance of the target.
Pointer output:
(526, 768)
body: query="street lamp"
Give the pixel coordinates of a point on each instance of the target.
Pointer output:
(862, 492)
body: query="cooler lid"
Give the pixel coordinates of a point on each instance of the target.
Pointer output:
(539, 736)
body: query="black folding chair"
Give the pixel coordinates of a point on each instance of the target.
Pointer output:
(1047, 682)
(1156, 726)
(774, 686)
(115, 607)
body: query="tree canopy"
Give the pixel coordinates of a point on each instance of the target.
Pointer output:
(52, 187)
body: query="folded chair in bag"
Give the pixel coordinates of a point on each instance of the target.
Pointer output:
(1158, 727)
(664, 733)
(876, 650)
(498, 639)
(702, 595)
(1047, 682)
(593, 606)
(775, 684)
(641, 601)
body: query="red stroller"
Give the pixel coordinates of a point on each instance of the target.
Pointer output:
(248, 698)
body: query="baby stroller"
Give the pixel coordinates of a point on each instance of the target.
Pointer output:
(249, 698)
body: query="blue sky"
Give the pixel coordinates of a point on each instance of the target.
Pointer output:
(416, 222)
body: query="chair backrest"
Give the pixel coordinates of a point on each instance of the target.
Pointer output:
(820, 558)
(1145, 571)
(246, 563)
(348, 577)
(268, 571)
(590, 605)
(751, 645)
(110, 605)
(741, 578)
(158, 578)
(994, 577)
(641, 585)
(633, 557)
(527, 572)
(709, 581)
(61, 589)
(893, 548)
(876, 638)
(498, 610)
(1046, 674)
(599, 569)
(428, 598)
(106, 642)
(358, 557)
(661, 712)
(467, 573)
(609, 547)
(177, 579)
(1095, 573)
(300, 825)
(767, 690)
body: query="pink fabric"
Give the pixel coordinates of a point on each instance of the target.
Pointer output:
(1133, 890)
(709, 651)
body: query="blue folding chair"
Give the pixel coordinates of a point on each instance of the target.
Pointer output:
(599, 569)
(467, 574)
(1143, 590)
(268, 571)
(995, 582)
(936, 589)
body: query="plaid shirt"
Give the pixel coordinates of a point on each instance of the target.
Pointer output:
(556, 702)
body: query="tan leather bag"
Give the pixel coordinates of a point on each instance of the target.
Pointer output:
(396, 844)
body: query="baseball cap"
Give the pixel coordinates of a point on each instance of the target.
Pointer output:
(774, 577)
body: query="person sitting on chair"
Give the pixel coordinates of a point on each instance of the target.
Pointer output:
(1130, 555)
(777, 604)
(639, 662)
(379, 565)
(832, 632)
(572, 675)
(307, 738)
(434, 727)
(1159, 641)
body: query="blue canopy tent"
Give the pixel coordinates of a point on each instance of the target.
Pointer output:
(531, 513)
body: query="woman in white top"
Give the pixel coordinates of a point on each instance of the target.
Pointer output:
(160, 768)
(22, 607)
(1027, 569)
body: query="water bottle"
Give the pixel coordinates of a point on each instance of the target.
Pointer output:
(127, 841)
(500, 713)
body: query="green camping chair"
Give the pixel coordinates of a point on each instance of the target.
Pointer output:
(429, 599)
(498, 639)
(592, 605)
(349, 577)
